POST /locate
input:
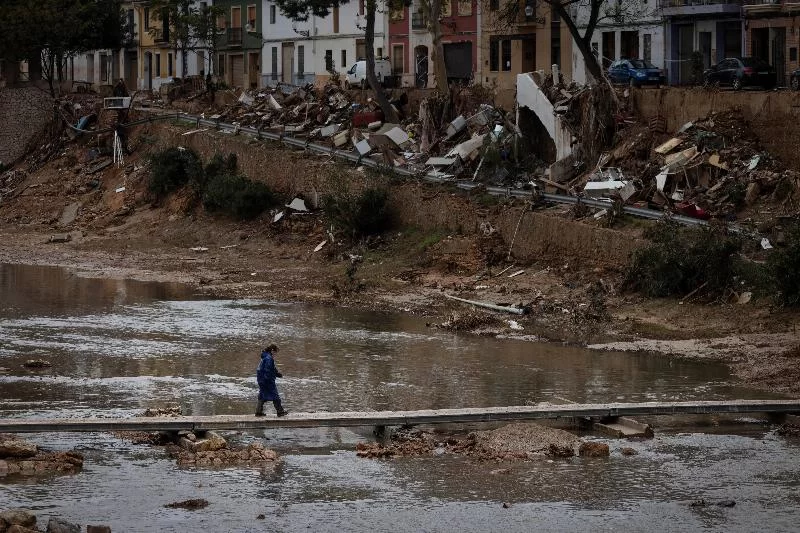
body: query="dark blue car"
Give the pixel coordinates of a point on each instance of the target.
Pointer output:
(635, 72)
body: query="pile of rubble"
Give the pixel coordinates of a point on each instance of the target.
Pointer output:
(713, 167)
(476, 143)
(518, 441)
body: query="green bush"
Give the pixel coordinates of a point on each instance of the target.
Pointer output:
(783, 265)
(359, 215)
(680, 260)
(173, 168)
(237, 196)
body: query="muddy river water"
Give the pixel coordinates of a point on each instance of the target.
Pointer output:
(120, 346)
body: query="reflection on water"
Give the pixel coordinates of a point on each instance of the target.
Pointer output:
(120, 346)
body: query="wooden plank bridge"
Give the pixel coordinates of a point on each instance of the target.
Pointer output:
(605, 411)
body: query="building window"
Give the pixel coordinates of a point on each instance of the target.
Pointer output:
(221, 25)
(379, 53)
(793, 53)
(158, 65)
(274, 62)
(169, 65)
(147, 19)
(301, 59)
(344, 59)
(494, 55)
(272, 10)
(329, 60)
(221, 65)
(505, 50)
(236, 17)
(647, 44)
(596, 49)
(464, 8)
(447, 9)
(251, 17)
(361, 7)
(494, 5)
(335, 20)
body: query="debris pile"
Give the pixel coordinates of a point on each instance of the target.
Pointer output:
(476, 144)
(511, 442)
(713, 167)
(290, 109)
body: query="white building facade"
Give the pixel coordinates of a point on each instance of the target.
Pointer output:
(310, 51)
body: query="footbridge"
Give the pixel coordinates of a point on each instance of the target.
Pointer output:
(602, 411)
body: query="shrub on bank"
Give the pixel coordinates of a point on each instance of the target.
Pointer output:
(680, 260)
(173, 168)
(218, 184)
(361, 214)
(783, 265)
(237, 196)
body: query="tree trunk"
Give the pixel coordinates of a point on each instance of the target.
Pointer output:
(48, 69)
(389, 113)
(437, 49)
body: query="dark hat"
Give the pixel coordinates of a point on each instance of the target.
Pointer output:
(271, 348)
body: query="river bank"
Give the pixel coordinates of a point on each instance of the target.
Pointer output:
(407, 273)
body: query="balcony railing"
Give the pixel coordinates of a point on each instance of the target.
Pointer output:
(234, 35)
(762, 2)
(419, 21)
(159, 35)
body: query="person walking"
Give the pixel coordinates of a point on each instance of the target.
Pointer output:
(265, 375)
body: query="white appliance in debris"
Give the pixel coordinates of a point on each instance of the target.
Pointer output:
(117, 102)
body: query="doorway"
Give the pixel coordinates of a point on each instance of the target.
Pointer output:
(779, 54)
(705, 48)
(421, 66)
(253, 70)
(609, 48)
(629, 45)
(287, 62)
(148, 70)
(529, 53)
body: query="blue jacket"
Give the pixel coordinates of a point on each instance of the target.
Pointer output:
(265, 375)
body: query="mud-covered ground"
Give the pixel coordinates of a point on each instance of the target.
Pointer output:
(119, 233)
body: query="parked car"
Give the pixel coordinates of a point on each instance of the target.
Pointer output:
(794, 80)
(739, 72)
(357, 74)
(635, 72)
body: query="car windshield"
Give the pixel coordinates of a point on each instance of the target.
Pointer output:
(638, 63)
(754, 62)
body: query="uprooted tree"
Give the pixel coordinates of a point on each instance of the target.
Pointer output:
(48, 32)
(301, 10)
(582, 17)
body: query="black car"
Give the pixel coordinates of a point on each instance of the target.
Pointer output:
(741, 72)
(794, 80)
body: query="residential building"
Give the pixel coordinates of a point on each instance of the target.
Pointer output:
(622, 35)
(772, 34)
(239, 42)
(535, 39)
(410, 42)
(311, 51)
(714, 28)
(148, 57)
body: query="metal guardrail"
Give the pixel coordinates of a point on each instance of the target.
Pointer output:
(431, 178)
